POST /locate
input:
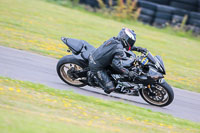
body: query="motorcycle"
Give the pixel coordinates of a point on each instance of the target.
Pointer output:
(73, 69)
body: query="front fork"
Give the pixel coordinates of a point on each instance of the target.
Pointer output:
(149, 86)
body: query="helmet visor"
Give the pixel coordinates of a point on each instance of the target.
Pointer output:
(130, 41)
(130, 37)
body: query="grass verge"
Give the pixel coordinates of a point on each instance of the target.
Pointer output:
(29, 107)
(38, 25)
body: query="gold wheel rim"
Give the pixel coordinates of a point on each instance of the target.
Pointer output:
(65, 68)
(166, 98)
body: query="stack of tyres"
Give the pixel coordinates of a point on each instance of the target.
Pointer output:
(178, 15)
(92, 3)
(194, 19)
(82, 1)
(163, 16)
(190, 5)
(198, 5)
(95, 3)
(147, 13)
(176, 20)
(110, 3)
(163, 2)
(114, 2)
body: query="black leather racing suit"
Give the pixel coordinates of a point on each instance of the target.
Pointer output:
(110, 52)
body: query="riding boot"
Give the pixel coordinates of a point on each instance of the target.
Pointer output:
(133, 75)
(105, 81)
(90, 76)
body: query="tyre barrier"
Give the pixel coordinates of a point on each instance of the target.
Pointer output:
(162, 12)
(194, 19)
(176, 19)
(148, 5)
(163, 16)
(190, 2)
(183, 6)
(147, 13)
(160, 23)
(92, 3)
(162, 2)
(194, 22)
(95, 4)
(195, 15)
(82, 1)
(198, 6)
(172, 11)
(180, 12)
(164, 8)
(109, 3)
(145, 19)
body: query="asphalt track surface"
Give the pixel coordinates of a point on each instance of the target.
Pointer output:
(26, 66)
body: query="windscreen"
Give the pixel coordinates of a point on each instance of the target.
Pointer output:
(151, 58)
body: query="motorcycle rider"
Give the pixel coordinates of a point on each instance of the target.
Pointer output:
(111, 53)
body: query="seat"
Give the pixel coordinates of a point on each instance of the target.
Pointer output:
(75, 45)
(79, 46)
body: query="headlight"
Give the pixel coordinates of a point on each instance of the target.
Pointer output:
(154, 74)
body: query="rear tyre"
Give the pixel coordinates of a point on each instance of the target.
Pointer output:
(162, 94)
(65, 65)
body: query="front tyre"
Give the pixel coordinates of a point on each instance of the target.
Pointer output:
(67, 65)
(160, 94)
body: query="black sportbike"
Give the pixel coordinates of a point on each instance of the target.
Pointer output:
(150, 83)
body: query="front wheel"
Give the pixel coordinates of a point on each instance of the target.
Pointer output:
(160, 94)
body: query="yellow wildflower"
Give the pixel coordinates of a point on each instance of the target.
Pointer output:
(129, 118)
(18, 90)
(161, 124)
(90, 123)
(11, 89)
(74, 114)
(117, 130)
(96, 117)
(169, 126)
(80, 107)
(85, 114)
(66, 105)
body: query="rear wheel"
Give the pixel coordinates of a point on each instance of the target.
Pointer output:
(159, 94)
(66, 67)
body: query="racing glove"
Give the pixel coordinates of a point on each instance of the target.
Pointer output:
(142, 50)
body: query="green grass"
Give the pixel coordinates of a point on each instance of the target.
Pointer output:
(35, 108)
(38, 25)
